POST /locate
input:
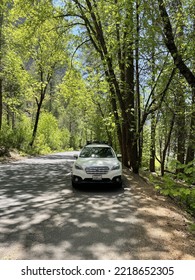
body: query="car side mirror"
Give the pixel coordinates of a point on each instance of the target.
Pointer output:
(119, 156)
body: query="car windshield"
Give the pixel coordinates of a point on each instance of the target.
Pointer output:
(97, 152)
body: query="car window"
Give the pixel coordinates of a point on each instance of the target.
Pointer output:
(97, 152)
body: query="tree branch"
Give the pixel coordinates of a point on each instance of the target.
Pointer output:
(170, 43)
(162, 96)
(77, 49)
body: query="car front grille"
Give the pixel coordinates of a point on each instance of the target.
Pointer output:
(97, 170)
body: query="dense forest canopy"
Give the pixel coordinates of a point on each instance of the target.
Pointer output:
(121, 71)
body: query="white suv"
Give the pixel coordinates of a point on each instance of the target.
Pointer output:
(97, 163)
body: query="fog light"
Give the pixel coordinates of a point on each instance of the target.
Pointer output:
(76, 179)
(118, 180)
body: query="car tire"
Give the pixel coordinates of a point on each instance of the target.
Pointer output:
(74, 185)
(119, 185)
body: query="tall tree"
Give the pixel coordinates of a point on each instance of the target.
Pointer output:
(185, 71)
(122, 90)
(44, 50)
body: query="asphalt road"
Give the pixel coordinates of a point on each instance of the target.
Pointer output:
(42, 217)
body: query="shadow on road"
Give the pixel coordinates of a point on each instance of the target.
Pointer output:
(42, 217)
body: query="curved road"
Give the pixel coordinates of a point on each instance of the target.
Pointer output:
(42, 217)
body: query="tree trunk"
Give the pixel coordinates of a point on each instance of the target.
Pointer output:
(153, 119)
(180, 128)
(180, 98)
(138, 103)
(129, 92)
(152, 143)
(125, 157)
(167, 142)
(1, 102)
(1, 70)
(131, 124)
(39, 104)
(191, 141)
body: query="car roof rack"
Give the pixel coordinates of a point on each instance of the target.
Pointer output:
(97, 142)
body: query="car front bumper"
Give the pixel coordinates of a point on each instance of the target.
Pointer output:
(116, 180)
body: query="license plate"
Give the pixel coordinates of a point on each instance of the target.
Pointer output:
(97, 177)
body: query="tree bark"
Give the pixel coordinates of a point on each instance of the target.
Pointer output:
(152, 143)
(167, 142)
(180, 128)
(191, 145)
(153, 118)
(1, 69)
(138, 103)
(39, 105)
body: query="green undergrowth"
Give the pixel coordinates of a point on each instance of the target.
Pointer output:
(174, 186)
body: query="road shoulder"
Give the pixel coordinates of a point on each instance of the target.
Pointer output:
(162, 219)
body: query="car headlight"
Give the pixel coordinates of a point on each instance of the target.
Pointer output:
(77, 166)
(116, 167)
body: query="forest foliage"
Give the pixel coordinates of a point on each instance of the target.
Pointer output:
(122, 71)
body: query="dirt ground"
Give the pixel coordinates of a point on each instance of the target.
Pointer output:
(14, 155)
(163, 218)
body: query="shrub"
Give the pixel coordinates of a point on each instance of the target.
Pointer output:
(18, 137)
(49, 136)
(180, 191)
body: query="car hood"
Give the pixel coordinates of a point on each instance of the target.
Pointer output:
(85, 162)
